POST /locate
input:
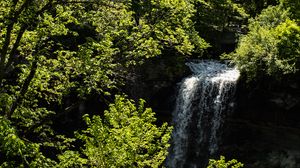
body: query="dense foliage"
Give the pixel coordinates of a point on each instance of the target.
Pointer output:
(272, 45)
(54, 54)
(126, 137)
(219, 21)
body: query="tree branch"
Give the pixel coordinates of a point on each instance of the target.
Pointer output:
(20, 35)
(24, 88)
(15, 47)
(4, 50)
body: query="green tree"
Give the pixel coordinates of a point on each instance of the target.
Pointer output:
(254, 7)
(55, 50)
(219, 21)
(271, 46)
(47, 66)
(16, 152)
(126, 137)
(219, 14)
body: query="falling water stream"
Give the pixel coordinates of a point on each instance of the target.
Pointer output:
(203, 101)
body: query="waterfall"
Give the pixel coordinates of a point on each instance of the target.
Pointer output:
(203, 100)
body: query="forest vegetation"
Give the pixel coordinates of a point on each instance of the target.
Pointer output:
(55, 54)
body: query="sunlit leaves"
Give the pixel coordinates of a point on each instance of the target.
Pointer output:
(222, 163)
(71, 159)
(52, 50)
(219, 14)
(271, 47)
(127, 136)
(12, 146)
(288, 34)
(169, 23)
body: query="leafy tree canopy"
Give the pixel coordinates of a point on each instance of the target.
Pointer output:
(272, 44)
(126, 137)
(52, 51)
(215, 19)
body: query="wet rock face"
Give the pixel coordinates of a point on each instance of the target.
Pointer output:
(260, 145)
(265, 129)
(270, 101)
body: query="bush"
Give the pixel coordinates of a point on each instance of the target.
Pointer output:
(271, 46)
(221, 163)
(125, 137)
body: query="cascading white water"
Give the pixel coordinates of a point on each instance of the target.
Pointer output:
(203, 100)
